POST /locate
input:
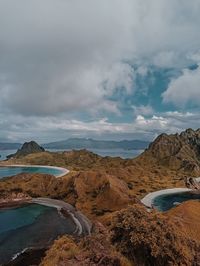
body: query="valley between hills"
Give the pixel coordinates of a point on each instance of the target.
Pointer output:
(108, 191)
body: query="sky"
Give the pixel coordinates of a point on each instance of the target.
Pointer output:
(106, 69)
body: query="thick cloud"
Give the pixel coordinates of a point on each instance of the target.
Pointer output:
(55, 55)
(185, 89)
(59, 57)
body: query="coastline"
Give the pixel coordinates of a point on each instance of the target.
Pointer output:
(83, 224)
(149, 198)
(63, 170)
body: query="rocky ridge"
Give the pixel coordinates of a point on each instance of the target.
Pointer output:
(27, 148)
(180, 152)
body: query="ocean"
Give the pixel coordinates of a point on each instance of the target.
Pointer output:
(125, 154)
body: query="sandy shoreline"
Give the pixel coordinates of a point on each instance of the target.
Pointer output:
(149, 198)
(64, 171)
(83, 225)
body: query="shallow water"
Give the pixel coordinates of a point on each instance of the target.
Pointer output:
(10, 171)
(32, 225)
(166, 202)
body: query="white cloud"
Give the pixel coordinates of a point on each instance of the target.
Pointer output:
(55, 55)
(61, 59)
(19, 128)
(185, 89)
(143, 110)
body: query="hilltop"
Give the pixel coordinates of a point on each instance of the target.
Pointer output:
(178, 152)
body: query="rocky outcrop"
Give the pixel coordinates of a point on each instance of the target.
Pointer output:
(177, 152)
(27, 148)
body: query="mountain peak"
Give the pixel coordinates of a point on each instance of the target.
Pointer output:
(27, 148)
(177, 151)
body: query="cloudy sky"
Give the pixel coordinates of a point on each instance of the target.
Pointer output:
(108, 69)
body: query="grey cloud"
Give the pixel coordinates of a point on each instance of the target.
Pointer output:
(55, 55)
(50, 128)
(64, 56)
(185, 89)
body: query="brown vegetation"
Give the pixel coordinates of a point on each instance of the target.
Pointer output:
(89, 251)
(153, 239)
(108, 189)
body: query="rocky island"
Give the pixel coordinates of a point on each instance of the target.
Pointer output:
(108, 191)
(27, 148)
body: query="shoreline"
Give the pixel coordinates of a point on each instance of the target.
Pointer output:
(83, 224)
(148, 200)
(63, 170)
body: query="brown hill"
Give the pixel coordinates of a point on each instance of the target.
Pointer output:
(141, 175)
(89, 251)
(188, 214)
(176, 152)
(156, 239)
(102, 187)
(27, 148)
(94, 193)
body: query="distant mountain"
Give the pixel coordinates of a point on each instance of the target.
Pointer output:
(27, 148)
(10, 146)
(82, 143)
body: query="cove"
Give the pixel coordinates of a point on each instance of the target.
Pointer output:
(31, 225)
(166, 202)
(7, 171)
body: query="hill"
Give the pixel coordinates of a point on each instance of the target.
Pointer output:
(108, 190)
(83, 143)
(27, 148)
(179, 152)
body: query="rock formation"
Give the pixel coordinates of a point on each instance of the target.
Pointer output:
(27, 148)
(180, 152)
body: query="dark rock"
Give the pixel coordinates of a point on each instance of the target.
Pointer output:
(27, 148)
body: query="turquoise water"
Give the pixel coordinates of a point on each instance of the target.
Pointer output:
(10, 171)
(166, 202)
(11, 219)
(32, 225)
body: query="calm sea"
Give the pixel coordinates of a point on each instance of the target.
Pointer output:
(30, 226)
(125, 154)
